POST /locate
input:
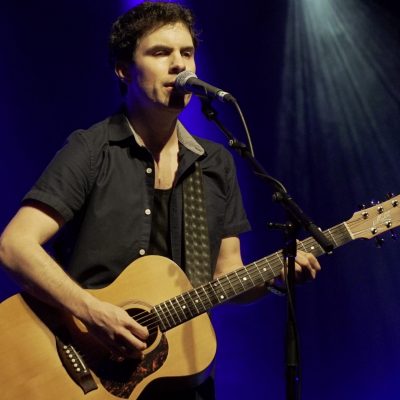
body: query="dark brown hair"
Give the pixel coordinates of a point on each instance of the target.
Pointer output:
(130, 27)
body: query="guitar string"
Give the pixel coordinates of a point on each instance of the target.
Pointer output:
(175, 316)
(204, 298)
(251, 270)
(236, 283)
(145, 317)
(151, 320)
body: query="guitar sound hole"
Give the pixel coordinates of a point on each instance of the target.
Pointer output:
(146, 319)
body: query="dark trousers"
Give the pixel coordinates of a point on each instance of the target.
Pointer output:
(203, 392)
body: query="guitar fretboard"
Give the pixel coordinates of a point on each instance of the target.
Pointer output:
(192, 303)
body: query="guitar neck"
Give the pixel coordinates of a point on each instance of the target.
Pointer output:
(194, 302)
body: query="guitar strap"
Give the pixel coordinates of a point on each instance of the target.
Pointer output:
(195, 228)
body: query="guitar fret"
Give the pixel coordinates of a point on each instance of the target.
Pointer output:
(274, 274)
(160, 319)
(343, 234)
(228, 288)
(312, 247)
(175, 310)
(222, 288)
(199, 301)
(332, 237)
(279, 256)
(168, 315)
(192, 302)
(220, 293)
(239, 280)
(258, 270)
(208, 298)
(303, 246)
(338, 234)
(171, 311)
(184, 307)
(247, 284)
(267, 274)
(249, 275)
(212, 293)
(230, 284)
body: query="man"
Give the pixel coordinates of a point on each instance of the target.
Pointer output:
(119, 186)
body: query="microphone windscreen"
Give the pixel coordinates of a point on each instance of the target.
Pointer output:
(183, 77)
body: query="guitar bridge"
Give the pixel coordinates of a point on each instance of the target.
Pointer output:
(74, 365)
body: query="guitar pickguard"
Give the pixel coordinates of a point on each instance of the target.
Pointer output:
(121, 377)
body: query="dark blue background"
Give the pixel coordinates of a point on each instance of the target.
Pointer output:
(318, 82)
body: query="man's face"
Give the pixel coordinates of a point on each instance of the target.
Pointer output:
(159, 57)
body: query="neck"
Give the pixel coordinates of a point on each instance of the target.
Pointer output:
(157, 128)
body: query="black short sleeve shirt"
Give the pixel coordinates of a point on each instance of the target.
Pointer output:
(102, 184)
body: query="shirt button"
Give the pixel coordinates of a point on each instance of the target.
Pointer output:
(142, 252)
(149, 170)
(147, 211)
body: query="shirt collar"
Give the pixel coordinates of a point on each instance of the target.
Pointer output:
(188, 141)
(123, 130)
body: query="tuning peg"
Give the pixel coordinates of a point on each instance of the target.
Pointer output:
(379, 241)
(390, 195)
(364, 214)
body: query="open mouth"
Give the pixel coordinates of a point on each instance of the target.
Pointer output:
(169, 84)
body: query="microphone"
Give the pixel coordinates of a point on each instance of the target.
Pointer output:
(188, 82)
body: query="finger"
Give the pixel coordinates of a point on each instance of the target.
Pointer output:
(304, 266)
(302, 274)
(308, 261)
(138, 330)
(313, 262)
(128, 346)
(132, 342)
(304, 271)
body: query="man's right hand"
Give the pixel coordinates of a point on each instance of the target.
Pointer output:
(115, 329)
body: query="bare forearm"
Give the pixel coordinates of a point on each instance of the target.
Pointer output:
(42, 277)
(22, 254)
(38, 274)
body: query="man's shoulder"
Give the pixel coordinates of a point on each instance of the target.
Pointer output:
(112, 128)
(213, 149)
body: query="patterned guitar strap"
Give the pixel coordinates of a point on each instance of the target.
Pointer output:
(196, 239)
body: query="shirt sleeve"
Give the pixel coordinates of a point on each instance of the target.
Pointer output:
(66, 181)
(235, 221)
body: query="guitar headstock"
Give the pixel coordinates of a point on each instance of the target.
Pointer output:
(373, 221)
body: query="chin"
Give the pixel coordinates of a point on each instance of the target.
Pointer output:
(178, 101)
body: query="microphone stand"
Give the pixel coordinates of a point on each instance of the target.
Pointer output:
(296, 219)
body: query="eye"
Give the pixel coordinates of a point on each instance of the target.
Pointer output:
(187, 53)
(159, 53)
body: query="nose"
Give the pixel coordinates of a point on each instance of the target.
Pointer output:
(177, 63)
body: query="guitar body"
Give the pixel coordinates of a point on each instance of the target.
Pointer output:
(34, 365)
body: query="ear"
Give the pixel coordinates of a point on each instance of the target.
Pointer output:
(123, 71)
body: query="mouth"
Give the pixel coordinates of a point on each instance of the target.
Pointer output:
(173, 90)
(170, 84)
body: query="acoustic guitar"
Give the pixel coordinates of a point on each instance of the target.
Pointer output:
(47, 355)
